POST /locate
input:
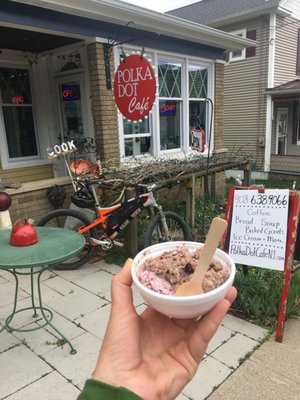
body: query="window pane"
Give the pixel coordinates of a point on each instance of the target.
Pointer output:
(169, 78)
(15, 86)
(197, 81)
(170, 124)
(136, 146)
(20, 131)
(281, 145)
(197, 112)
(135, 127)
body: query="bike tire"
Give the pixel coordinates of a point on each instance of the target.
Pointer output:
(70, 219)
(179, 229)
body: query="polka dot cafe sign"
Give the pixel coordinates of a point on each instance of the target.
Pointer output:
(134, 87)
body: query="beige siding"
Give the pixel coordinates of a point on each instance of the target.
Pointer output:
(28, 174)
(285, 50)
(244, 103)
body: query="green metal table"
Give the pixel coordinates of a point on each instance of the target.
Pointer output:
(54, 245)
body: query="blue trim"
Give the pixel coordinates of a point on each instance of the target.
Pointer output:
(38, 17)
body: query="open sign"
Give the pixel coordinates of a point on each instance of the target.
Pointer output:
(70, 92)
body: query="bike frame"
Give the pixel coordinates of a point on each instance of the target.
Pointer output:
(104, 212)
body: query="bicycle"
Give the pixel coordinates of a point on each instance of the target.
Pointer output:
(110, 221)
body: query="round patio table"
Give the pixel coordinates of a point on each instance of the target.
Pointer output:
(54, 245)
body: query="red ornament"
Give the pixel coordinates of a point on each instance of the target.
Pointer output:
(5, 201)
(134, 87)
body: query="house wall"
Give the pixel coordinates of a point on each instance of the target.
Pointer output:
(244, 101)
(286, 50)
(21, 175)
(103, 106)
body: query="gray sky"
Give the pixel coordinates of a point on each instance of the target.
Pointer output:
(161, 5)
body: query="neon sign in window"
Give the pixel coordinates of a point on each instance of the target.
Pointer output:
(70, 92)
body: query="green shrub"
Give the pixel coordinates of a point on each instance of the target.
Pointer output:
(259, 294)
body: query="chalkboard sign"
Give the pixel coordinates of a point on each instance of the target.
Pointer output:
(259, 228)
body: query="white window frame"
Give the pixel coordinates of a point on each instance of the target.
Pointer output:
(280, 111)
(6, 161)
(298, 124)
(154, 120)
(242, 33)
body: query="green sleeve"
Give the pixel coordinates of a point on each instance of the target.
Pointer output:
(96, 390)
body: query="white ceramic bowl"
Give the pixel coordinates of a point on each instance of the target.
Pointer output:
(181, 306)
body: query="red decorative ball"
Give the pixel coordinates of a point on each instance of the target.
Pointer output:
(5, 201)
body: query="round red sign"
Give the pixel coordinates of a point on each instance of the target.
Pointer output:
(134, 87)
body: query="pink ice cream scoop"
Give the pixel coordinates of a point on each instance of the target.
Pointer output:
(154, 282)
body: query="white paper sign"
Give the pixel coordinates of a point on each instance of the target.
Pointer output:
(259, 228)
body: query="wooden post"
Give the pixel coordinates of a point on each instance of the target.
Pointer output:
(132, 235)
(190, 201)
(247, 174)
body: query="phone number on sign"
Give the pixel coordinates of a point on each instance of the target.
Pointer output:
(262, 199)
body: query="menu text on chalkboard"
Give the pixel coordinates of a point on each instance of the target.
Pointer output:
(259, 228)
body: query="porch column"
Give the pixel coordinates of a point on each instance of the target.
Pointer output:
(103, 107)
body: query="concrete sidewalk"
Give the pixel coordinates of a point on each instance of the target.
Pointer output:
(35, 366)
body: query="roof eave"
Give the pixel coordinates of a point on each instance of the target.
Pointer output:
(120, 13)
(283, 12)
(282, 92)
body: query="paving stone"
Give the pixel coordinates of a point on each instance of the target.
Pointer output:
(96, 321)
(98, 283)
(7, 293)
(111, 268)
(181, 397)
(49, 387)
(210, 374)
(40, 341)
(74, 305)
(85, 270)
(77, 367)
(231, 352)
(221, 336)
(282, 358)
(22, 367)
(256, 382)
(246, 328)
(24, 280)
(137, 298)
(7, 340)
(21, 319)
(60, 285)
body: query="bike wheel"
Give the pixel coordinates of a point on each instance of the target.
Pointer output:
(70, 219)
(178, 229)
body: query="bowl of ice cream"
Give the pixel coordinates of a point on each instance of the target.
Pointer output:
(158, 270)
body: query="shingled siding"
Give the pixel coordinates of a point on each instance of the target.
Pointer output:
(26, 174)
(244, 102)
(103, 105)
(285, 163)
(286, 50)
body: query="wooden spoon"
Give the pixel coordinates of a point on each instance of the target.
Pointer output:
(215, 233)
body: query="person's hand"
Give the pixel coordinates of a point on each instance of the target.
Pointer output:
(152, 355)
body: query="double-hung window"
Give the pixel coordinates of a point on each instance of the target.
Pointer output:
(16, 117)
(183, 88)
(198, 94)
(170, 103)
(238, 55)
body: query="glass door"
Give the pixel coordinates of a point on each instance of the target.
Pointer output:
(72, 114)
(281, 130)
(72, 110)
